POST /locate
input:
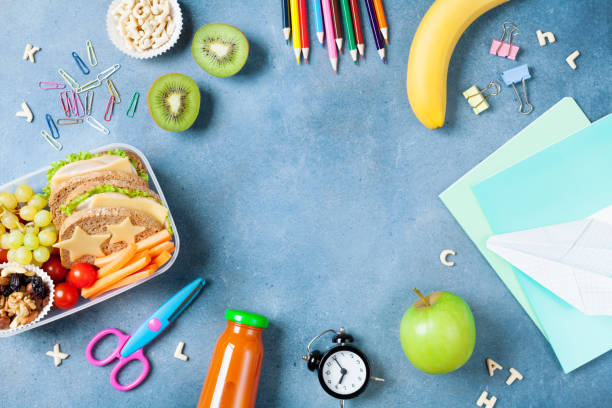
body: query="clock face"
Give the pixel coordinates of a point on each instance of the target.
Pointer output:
(344, 372)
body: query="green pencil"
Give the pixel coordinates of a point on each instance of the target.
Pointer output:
(348, 28)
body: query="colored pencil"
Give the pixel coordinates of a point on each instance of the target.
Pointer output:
(337, 23)
(380, 46)
(304, 29)
(329, 33)
(286, 23)
(318, 19)
(382, 20)
(357, 26)
(295, 29)
(348, 28)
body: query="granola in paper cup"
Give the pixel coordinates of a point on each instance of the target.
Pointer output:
(117, 38)
(17, 302)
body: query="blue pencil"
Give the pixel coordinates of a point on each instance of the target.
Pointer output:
(318, 19)
(286, 23)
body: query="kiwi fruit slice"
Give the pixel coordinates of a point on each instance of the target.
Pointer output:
(220, 49)
(174, 102)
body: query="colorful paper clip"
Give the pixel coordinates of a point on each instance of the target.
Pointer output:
(477, 100)
(99, 78)
(108, 113)
(505, 49)
(78, 104)
(516, 75)
(69, 80)
(91, 54)
(93, 122)
(65, 101)
(68, 121)
(52, 128)
(51, 85)
(133, 103)
(54, 143)
(88, 102)
(113, 90)
(80, 63)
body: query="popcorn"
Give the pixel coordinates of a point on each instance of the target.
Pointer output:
(144, 24)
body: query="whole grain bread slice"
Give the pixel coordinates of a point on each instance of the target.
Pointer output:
(63, 193)
(94, 221)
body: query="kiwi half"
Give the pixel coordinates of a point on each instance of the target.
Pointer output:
(220, 49)
(174, 102)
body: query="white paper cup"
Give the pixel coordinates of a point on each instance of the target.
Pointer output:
(47, 280)
(119, 42)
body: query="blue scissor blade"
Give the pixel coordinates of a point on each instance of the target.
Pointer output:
(162, 317)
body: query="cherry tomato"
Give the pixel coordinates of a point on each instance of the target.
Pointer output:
(66, 295)
(3, 253)
(54, 269)
(82, 275)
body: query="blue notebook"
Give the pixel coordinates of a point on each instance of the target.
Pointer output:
(567, 181)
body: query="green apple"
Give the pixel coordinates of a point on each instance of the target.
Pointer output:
(438, 332)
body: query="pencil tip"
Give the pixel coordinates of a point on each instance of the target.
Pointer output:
(355, 62)
(384, 60)
(298, 61)
(305, 60)
(387, 41)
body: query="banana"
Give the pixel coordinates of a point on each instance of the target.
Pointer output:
(430, 54)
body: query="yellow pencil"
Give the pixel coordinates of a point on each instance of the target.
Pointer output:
(295, 29)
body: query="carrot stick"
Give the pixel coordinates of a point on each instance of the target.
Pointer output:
(153, 240)
(126, 255)
(102, 284)
(135, 277)
(164, 246)
(100, 262)
(162, 258)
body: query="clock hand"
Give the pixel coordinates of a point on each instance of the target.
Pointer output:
(336, 360)
(343, 372)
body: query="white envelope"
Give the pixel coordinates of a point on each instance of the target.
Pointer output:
(573, 260)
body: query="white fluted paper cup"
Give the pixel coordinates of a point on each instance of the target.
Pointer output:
(47, 280)
(117, 39)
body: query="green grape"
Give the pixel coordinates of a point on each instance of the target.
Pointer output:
(39, 202)
(4, 241)
(23, 256)
(30, 241)
(31, 227)
(27, 212)
(42, 218)
(9, 220)
(8, 200)
(23, 193)
(47, 238)
(41, 254)
(10, 255)
(50, 227)
(36, 263)
(15, 239)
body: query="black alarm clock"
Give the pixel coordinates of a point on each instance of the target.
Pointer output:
(343, 370)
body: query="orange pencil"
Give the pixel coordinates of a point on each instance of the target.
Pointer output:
(382, 21)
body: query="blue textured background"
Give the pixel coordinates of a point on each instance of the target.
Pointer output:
(307, 197)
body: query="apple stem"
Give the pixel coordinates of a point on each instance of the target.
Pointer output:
(422, 297)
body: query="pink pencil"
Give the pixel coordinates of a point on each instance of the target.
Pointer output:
(329, 34)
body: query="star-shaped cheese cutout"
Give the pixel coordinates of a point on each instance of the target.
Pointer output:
(124, 231)
(81, 243)
(57, 355)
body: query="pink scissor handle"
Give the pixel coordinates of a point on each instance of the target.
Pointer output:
(123, 338)
(123, 361)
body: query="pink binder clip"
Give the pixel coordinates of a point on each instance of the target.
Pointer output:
(505, 49)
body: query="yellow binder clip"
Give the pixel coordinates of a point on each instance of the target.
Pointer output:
(477, 99)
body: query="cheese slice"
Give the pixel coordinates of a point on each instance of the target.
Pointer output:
(102, 163)
(146, 205)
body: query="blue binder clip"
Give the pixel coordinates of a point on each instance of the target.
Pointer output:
(514, 76)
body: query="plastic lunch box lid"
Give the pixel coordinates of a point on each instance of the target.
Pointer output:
(248, 318)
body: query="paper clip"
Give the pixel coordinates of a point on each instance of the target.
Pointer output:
(513, 76)
(52, 127)
(54, 143)
(133, 103)
(88, 102)
(108, 113)
(93, 122)
(506, 49)
(65, 101)
(73, 104)
(68, 121)
(477, 100)
(79, 104)
(80, 63)
(91, 54)
(99, 78)
(51, 85)
(113, 90)
(69, 80)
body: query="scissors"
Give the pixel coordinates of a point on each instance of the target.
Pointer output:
(130, 347)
